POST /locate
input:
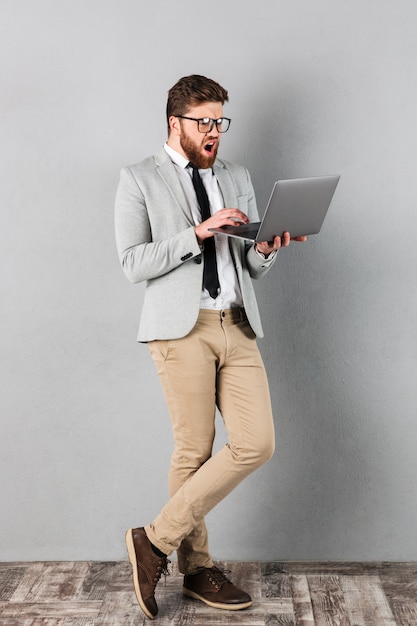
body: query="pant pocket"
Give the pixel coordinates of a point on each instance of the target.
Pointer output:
(159, 349)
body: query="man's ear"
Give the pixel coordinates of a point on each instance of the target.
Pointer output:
(175, 125)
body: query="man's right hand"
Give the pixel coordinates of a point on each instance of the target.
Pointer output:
(224, 217)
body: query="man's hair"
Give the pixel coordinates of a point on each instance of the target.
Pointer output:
(192, 90)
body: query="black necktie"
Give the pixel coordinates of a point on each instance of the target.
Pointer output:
(210, 276)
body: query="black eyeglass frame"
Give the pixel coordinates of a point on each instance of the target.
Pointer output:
(206, 120)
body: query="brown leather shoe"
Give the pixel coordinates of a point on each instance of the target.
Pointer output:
(147, 569)
(210, 585)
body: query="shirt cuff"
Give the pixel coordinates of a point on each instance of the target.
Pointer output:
(264, 256)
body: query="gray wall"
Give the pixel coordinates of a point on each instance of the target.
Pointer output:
(317, 87)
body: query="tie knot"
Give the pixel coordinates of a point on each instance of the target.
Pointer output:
(196, 170)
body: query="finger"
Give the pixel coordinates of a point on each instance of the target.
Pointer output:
(233, 211)
(268, 246)
(264, 247)
(239, 215)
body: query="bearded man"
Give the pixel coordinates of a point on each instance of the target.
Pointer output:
(200, 320)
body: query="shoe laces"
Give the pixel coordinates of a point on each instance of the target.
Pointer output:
(162, 570)
(218, 576)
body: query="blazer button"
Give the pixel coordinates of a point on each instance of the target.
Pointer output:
(197, 260)
(187, 256)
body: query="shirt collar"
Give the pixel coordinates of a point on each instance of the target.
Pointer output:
(176, 157)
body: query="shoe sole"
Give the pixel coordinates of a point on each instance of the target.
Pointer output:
(217, 605)
(132, 558)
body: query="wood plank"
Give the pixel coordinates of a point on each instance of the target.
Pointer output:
(121, 578)
(10, 577)
(52, 609)
(366, 601)
(213, 617)
(50, 580)
(80, 621)
(404, 614)
(33, 573)
(279, 620)
(400, 586)
(49, 621)
(327, 601)
(303, 609)
(61, 581)
(339, 568)
(100, 578)
(32, 621)
(275, 582)
(120, 608)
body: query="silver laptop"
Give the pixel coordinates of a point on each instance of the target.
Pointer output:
(298, 206)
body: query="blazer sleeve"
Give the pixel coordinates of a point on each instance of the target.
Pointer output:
(141, 257)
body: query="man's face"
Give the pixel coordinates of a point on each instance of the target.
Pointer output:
(200, 148)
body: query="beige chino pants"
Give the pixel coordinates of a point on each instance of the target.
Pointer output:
(217, 364)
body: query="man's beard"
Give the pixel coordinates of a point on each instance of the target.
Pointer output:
(195, 155)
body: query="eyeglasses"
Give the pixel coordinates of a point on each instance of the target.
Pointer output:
(205, 124)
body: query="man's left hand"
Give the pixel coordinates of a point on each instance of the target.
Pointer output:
(266, 247)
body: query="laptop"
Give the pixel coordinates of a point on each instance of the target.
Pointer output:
(298, 205)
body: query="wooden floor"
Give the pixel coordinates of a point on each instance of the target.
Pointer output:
(284, 594)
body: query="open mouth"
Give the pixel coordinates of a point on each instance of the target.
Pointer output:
(209, 147)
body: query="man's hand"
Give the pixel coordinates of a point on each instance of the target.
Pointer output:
(224, 217)
(266, 247)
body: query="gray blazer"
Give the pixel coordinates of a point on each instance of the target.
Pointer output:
(156, 243)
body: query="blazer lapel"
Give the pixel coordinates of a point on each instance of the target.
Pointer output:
(166, 170)
(226, 184)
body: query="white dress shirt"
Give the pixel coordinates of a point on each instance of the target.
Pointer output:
(229, 294)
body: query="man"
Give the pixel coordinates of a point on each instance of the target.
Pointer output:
(200, 320)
